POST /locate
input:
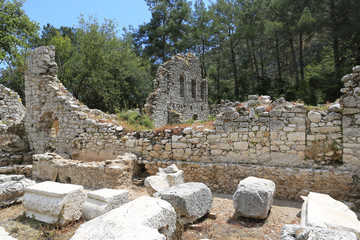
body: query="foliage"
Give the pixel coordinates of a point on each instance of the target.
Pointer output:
(16, 32)
(133, 120)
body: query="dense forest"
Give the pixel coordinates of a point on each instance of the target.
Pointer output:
(281, 48)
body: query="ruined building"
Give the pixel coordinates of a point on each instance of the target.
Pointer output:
(179, 92)
(301, 149)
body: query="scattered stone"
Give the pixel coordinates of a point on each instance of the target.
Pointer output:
(164, 179)
(53, 202)
(144, 218)
(321, 210)
(254, 197)
(191, 201)
(102, 201)
(297, 232)
(4, 235)
(12, 188)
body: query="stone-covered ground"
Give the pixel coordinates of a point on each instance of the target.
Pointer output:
(225, 226)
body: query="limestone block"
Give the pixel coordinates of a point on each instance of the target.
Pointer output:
(295, 232)
(314, 117)
(12, 188)
(4, 235)
(190, 200)
(164, 179)
(321, 210)
(102, 201)
(53, 202)
(253, 197)
(144, 218)
(296, 136)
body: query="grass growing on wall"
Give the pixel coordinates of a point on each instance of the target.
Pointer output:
(134, 120)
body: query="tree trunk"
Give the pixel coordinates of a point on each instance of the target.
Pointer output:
(218, 77)
(204, 74)
(255, 61)
(277, 52)
(335, 36)
(251, 66)
(233, 63)
(301, 64)
(294, 63)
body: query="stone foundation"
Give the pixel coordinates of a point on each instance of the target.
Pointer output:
(107, 174)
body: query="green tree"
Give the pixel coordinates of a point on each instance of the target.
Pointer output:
(165, 34)
(103, 71)
(16, 32)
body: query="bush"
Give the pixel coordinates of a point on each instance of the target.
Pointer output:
(135, 120)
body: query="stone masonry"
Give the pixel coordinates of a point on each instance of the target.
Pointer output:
(180, 93)
(13, 139)
(298, 148)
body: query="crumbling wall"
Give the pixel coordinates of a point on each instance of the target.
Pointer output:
(351, 117)
(57, 122)
(115, 173)
(179, 92)
(13, 140)
(300, 149)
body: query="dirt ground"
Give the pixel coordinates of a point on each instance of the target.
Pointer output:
(224, 226)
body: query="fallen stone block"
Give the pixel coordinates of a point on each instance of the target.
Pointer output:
(297, 232)
(165, 178)
(144, 218)
(53, 202)
(321, 210)
(191, 201)
(253, 197)
(4, 235)
(12, 188)
(102, 201)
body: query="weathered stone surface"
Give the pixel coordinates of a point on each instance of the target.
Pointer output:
(4, 235)
(12, 188)
(297, 232)
(163, 180)
(314, 116)
(53, 202)
(321, 210)
(102, 201)
(144, 218)
(101, 174)
(253, 197)
(190, 200)
(186, 98)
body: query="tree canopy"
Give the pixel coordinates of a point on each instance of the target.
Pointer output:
(282, 48)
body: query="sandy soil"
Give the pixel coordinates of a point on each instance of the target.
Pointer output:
(225, 226)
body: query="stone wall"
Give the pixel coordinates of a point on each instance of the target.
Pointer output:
(116, 173)
(179, 92)
(13, 139)
(299, 148)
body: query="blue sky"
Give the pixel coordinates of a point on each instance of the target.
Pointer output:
(66, 12)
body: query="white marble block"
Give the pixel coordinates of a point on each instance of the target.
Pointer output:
(102, 201)
(53, 202)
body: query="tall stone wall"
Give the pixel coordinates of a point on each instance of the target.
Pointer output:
(13, 140)
(57, 122)
(351, 117)
(179, 92)
(300, 149)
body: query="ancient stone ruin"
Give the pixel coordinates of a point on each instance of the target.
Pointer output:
(300, 149)
(179, 92)
(13, 138)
